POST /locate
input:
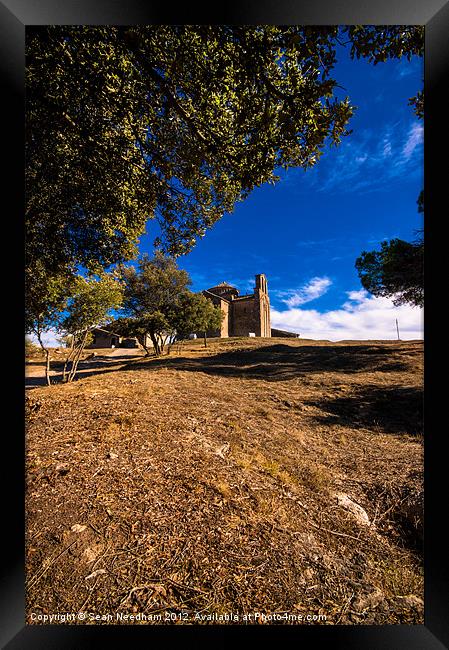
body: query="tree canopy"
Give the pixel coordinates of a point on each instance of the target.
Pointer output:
(151, 298)
(155, 284)
(196, 313)
(90, 305)
(172, 122)
(157, 303)
(396, 270)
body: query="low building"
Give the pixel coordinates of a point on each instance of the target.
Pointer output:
(284, 334)
(104, 338)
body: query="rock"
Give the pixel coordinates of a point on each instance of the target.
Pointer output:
(368, 601)
(111, 455)
(78, 528)
(357, 511)
(159, 589)
(34, 405)
(221, 451)
(89, 555)
(309, 574)
(410, 601)
(62, 468)
(95, 573)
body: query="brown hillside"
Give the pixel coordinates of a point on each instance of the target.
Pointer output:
(229, 481)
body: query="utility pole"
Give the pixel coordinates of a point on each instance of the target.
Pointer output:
(397, 329)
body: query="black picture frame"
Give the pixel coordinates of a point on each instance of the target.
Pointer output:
(15, 16)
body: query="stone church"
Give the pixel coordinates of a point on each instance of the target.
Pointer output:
(247, 315)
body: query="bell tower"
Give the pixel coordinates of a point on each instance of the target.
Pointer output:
(262, 305)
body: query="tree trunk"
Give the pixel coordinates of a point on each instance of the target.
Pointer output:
(157, 350)
(205, 340)
(141, 340)
(47, 359)
(47, 367)
(69, 359)
(164, 343)
(79, 351)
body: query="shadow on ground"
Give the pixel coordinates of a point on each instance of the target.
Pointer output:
(282, 362)
(271, 363)
(396, 409)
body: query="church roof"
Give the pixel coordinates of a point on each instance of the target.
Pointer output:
(222, 285)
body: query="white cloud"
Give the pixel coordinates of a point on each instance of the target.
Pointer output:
(315, 288)
(361, 317)
(356, 296)
(387, 150)
(368, 161)
(415, 137)
(48, 339)
(406, 68)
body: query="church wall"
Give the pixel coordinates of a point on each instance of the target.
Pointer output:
(245, 317)
(224, 333)
(264, 315)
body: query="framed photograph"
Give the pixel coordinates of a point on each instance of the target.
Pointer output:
(225, 427)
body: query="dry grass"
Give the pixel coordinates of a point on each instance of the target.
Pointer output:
(209, 481)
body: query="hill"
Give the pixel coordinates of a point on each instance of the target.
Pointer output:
(269, 476)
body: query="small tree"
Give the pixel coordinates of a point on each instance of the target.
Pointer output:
(196, 314)
(46, 298)
(89, 306)
(30, 347)
(152, 294)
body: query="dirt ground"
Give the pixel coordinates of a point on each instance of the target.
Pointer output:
(254, 477)
(102, 358)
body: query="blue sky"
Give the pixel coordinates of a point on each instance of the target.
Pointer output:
(306, 232)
